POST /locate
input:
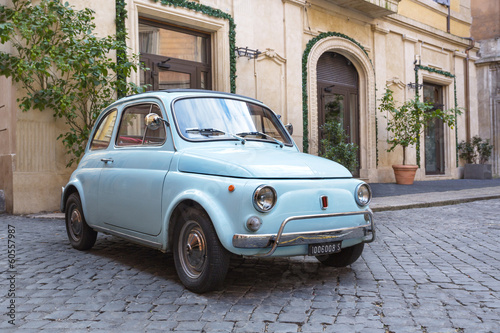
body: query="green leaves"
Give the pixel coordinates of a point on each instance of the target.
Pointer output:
(62, 65)
(475, 151)
(406, 123)
(335, 145)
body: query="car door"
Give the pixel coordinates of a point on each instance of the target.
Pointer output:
(133, 173)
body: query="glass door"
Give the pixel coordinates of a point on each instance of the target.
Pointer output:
(434, 133)
(339, 104)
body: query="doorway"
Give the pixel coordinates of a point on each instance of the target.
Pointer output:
(337, 81)
(434, 132)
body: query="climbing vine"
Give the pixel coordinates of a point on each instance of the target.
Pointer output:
(305, 56)
(456, 108)
(121, 36)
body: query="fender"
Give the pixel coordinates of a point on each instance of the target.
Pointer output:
(215, 210)
(77, 185)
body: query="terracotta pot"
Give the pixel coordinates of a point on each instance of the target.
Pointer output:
(405, 174)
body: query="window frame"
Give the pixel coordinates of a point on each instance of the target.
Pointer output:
(103, 118)
(142, 145)
(194, 68)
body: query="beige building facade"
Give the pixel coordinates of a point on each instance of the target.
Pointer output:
(307, 60)
(486, 31)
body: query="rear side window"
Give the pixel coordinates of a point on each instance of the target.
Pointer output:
(133, 130)
(102, 135)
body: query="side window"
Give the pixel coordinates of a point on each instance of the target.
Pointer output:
(133, 130)
(102, 136)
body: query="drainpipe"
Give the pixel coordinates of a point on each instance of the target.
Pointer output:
(467, 89)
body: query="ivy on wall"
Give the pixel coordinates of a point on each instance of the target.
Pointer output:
(121, 35)
(121, 15)
(447, 74)
(305, 56)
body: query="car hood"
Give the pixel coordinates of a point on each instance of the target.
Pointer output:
(259, 163)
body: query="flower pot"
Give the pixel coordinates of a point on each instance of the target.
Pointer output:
(405, 174)
(477, 171)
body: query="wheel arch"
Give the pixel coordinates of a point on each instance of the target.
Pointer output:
(71, 188)
(214, 212)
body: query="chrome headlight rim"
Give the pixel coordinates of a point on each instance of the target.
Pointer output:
(256, 198)
(360, 201)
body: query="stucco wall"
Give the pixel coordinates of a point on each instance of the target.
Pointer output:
(281, 30)
(485, 19)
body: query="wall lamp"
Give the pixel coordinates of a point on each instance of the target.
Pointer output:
(246, 52)
(412, 85)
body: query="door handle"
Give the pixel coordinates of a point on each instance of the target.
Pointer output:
(107, 160)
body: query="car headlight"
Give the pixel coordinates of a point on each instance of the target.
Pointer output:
(363, 194)
(264, 198)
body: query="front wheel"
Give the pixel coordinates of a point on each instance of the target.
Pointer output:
(200, 259)
(81, 236)
(344, 258)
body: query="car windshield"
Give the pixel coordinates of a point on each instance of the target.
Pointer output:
(205, 118)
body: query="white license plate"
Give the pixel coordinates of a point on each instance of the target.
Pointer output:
(324, 248)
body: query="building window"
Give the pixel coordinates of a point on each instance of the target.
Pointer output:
(175, 57)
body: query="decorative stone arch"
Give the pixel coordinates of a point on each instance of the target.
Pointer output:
(333, 42)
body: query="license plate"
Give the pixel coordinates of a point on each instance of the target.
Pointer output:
(324, 248)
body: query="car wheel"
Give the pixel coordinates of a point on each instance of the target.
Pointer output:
(200, 259)
(81, 236)
(344, 258)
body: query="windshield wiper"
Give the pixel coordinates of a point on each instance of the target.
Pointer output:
(205, 131)
(213, 131)
(243, 134)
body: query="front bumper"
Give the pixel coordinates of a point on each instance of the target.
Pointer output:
(365, 231)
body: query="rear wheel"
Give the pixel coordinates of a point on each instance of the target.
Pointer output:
(81, 236)
(200, 259)
(344, 258)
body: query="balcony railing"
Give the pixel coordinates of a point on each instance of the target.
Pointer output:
(373, 8)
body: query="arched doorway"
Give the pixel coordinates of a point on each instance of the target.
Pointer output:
(338, 96)
(354, 52)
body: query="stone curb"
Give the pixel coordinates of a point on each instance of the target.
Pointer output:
(49, 216)
(432, 203)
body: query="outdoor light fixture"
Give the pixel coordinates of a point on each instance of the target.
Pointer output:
(413, 85)
(246, 52)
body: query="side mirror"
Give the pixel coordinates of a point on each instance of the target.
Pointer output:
(154, 121)
(289, 128)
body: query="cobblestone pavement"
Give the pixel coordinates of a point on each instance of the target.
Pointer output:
(431, 270)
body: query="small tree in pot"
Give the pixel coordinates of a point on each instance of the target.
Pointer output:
(405, 124)
(476, 153)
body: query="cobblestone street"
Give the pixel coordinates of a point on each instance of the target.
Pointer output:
(430, 270)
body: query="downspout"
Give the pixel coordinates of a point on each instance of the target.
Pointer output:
(467, 89)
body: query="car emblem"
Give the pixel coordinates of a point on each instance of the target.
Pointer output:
(324, 202)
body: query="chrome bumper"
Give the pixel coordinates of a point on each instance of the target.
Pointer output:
(312, 237)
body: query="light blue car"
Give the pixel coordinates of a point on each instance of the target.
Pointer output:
(205, 175)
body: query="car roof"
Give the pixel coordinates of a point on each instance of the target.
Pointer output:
(189, 92)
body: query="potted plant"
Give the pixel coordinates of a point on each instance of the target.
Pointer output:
(335, 145)
(476, 153)
(405, 124)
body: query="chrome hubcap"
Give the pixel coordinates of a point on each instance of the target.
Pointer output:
(75, 224)
(192, 249)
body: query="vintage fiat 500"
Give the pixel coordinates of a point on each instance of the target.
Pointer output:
(205, 175)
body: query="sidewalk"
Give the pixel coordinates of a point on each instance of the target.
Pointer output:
(432, 193)
(390, 196)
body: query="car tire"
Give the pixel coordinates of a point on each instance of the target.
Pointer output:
(344, 258)
(81, 236)
(200, 259)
